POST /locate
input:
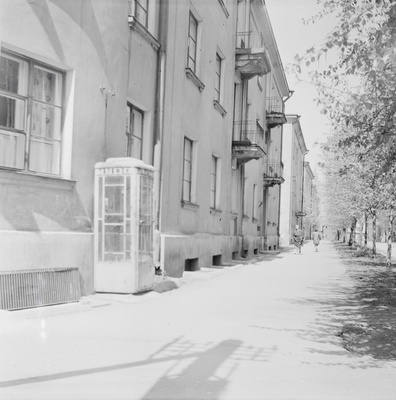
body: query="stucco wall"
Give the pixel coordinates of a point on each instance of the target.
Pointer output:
(285, 207)
(176, 249)
(190, 112)
(36, 250)
(45, 221)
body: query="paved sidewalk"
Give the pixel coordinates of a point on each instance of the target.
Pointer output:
(258, 331)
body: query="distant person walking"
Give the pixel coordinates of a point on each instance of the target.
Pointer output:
(316, 238)
(298, 239)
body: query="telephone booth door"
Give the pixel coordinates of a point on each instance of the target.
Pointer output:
(123, 226)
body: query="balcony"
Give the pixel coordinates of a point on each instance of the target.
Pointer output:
(251, 56)
(247, 147)
(275, 114)
(273, 174)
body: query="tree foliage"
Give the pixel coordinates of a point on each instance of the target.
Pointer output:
(354, 72)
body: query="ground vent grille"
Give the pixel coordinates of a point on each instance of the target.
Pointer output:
(38, 287)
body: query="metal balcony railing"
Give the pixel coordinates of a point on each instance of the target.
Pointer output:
(274, 169)
(248, 131)
(249, 40)
(274, 105)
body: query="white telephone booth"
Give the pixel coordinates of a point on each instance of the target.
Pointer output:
(123, 226)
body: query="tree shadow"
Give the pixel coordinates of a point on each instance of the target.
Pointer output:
(356, 313)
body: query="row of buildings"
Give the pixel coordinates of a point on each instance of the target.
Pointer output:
(195, 90)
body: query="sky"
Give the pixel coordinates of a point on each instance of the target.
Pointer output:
(292, 37)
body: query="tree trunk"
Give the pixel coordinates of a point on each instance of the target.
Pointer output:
(389, 237)
(365, 229)
(353, 232)
(374, 233)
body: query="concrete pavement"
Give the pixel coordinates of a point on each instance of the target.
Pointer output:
(257, 331)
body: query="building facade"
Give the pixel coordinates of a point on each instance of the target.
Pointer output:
(223, 116)
(195, 91)
(63, 92)
(310, 219)
(292, 199)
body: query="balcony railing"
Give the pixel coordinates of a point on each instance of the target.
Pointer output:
(248, 137)
(274, 104)
(275, 113)
(249, 40)
(251, 56)
(273, 174)
(248, 131)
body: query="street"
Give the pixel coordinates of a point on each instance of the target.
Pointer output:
(254, 331)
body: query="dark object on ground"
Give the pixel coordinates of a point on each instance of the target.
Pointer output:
(165, 286)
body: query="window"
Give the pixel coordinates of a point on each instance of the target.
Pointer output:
(214, 171)
(218, 78)
(192, 43)
(254, 205)
(267, 136)
(194, 34)
(259, 128)
(187, 170)
(31, 101)
(259, 132)
(219, 83)
(141, 11)
(134, 131)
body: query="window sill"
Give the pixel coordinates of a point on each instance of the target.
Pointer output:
(9, 177)
(224, 8)
(189, 206)
(246, 217)
(190, 74)
(135, 25)
(260, 86)
(219, 108)
(215, 211)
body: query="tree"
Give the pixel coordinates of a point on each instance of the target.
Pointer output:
(358, 94)
(357, 87)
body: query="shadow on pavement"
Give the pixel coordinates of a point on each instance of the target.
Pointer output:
(209, 372)
(198, 370)
(340, 311)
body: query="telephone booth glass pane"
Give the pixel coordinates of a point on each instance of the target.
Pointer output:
(146, 228)
(114, 219)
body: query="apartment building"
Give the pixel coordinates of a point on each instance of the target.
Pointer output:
(78, 86)
(223, 116)
(64, 68)
(191, 91)
(292, 199)
(310, 209)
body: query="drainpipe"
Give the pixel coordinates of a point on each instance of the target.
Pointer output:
(291, 92)
(159, 125)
